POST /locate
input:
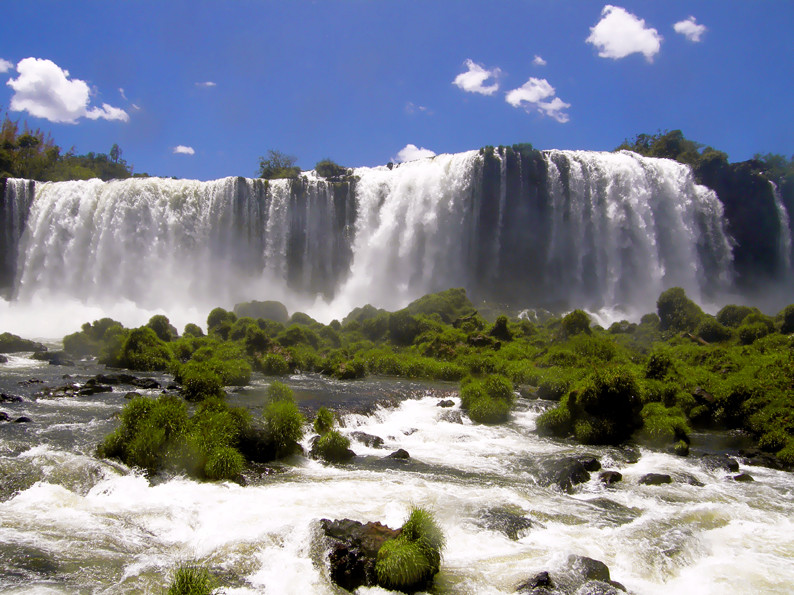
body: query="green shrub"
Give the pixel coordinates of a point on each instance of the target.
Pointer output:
(192, 330)
(662, 425)
(224, 462)
(143, 350)
(575, 322)
(328, 169)
(324, 421)
(274, 364)
(333, 446)
(555, 422)
(162, 328)
(749, 333)
(659, 364)
(733, 315)
(787, 320)
(283, 420)
(786, 454)
(199, 381)
(488, 410)
(677, 313)
(191, 580)
(712, 331)
(422, 528)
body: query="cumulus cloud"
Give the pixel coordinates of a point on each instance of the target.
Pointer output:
(538, 94)
(411, 152)
(5, 65)
(411, 108)
(183, 150)
(690, 29)
(619, 34)
(206, 84)
(44, 90)
(475, 77)
(538, 61)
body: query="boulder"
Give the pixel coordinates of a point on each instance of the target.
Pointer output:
(3, 416)
(446, 403)
(367, 439)
(115, 378)
(23, 419)
(453, 417)
(55, 358)
(5, 398)
(354, 550)
(399, 454)
(743, 477)
(3, 359)
(563, 473)
(540, 583)
(720, 463)
(655, 479)
(610, 477)
(145, 383)
(589, 462)
(580, 576)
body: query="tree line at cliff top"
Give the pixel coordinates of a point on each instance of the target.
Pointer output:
(33, 154)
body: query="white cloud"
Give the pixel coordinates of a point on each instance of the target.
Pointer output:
(474, 79)
(690, 29)
(411, 152)
(107, 112)
(540, 95)
(121, 92)
(5, 65)
(206, 84)
(619, 34)
(411, 108)
(538, 61)
(135, 107)
(44, 90)
(183, 150)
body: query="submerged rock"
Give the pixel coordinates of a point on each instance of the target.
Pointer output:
(610, 477)
(367, 439)
(511, 524)
(3, 359)
(579, 576)
(655, 479)
(563, 473)
(5, 398)
(743, 477)
(445, 403)
(4, 416)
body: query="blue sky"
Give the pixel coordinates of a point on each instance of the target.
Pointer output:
(358, 81)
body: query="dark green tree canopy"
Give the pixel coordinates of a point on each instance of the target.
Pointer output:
(278, 165)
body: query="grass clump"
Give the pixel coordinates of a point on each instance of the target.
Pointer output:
(409, 562)
(191, 580)
(489, 401)
(283, 421)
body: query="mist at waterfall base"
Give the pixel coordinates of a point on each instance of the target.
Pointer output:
(607, 232)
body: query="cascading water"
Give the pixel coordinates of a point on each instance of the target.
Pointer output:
(14, 207)
(558, 227)
(784, 242)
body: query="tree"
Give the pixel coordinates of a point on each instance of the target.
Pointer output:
(115, 153)
(278, 165)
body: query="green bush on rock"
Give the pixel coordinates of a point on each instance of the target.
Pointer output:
(192, 580)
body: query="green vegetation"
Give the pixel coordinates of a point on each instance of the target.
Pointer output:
(30, 154)
(278, 165)
(192, 580)
(653, 381)
(409, 561)
(328, 169)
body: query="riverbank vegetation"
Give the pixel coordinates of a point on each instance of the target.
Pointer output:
(655, 381)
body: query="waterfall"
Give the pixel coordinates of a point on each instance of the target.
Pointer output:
(784, 241)
(570, 228)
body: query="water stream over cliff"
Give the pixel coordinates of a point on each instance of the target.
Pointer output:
(563, 228)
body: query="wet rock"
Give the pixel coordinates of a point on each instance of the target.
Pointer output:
(367, 439)
(541, 580)
(3, 416)
(410, 431)
(3, 359)
(688, 479)
(115, 378)
(399, 454)
(145, 383)
(453, 417)
(597, 588)
(5, 398)
(563, 473)
(55, 358)
(446, 403)
(92, 387)
(655, 479)
(702, 396)
(720, 463)
(174, 386)
(610, 477)
(132, 395)
(30, 381)
(354, 549)
(630, 455)
(759, 458)
(525, 391)
(589, 462)
(743, 477)
(23, 419)
(511, 524)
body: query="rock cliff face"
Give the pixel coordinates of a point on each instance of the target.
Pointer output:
(535, 228)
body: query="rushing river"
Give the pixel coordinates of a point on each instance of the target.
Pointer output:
(71, 523)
